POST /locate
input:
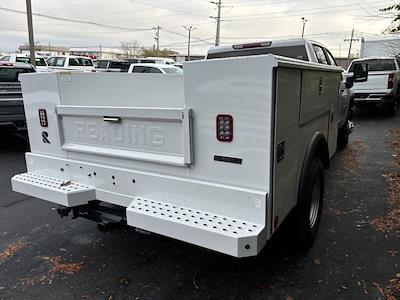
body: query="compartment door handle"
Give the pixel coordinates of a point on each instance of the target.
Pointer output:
(112, 119)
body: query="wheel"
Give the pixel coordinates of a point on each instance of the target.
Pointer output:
(309, 207)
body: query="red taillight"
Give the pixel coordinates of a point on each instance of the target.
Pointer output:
(224, 128)
(252, 45)
(390, 81)
(7, 64)
(43, 118)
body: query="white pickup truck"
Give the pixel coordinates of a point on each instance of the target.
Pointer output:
(218, 157)
(382, 86)
(70, 62)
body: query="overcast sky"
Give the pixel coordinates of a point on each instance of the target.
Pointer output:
(329, 22)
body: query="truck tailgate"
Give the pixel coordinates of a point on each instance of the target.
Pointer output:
(377, 81)
(159, 135)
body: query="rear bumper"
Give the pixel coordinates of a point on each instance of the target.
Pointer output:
(223, 218)
(373, 98)
(12, 116)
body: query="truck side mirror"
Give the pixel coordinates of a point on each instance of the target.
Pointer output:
(349, 82)
(360, 72)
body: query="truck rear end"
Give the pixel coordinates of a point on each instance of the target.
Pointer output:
(12, 117)
(382, 86)
(210, 158)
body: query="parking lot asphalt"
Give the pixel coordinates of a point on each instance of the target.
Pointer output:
(45, 257)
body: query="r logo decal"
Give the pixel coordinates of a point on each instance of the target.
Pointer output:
(45, 137)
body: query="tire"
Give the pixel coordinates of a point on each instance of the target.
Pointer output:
(343, 136)
(309, 206)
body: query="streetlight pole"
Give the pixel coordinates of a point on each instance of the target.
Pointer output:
(30, 32)
(189, 29)
(304, 26)
(157, 38)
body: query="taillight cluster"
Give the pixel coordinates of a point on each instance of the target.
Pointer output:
(224, 128)
(43, 118)
(390, 81)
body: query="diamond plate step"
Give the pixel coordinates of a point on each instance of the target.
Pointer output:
(221, 233)
(52, 189)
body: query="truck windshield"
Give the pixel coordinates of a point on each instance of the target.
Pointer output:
(8, 74)
(378, 65)
(297, 52)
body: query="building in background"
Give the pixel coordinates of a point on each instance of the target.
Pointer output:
(44, 50)
(98, 52)
(383, 45)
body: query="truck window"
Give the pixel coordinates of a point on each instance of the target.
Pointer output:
(173, 70)
(139, 69)
(378, 65)
(119, 65)
(11, 74)
(154, 70)
(56, 62)
(297, 52)
(5, 58)
(102, 64)
(39, 61)
(331, 59)
(319, 52)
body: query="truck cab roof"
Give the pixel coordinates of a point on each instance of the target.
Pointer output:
(297, 48)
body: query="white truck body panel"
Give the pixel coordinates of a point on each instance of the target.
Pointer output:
(155, 152)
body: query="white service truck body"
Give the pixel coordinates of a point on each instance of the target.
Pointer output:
(217, 157)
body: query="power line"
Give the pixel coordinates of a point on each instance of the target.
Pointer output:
(75, 21)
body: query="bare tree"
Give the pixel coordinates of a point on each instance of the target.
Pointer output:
(130, 48)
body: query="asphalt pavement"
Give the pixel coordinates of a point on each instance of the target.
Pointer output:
(45, 257)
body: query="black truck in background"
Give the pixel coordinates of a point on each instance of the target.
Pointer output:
(12, 115)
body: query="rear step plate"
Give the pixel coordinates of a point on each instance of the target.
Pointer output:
(60, 191)
(227, 235)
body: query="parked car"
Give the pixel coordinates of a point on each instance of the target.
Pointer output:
(12, 117)
(382, 86)
(70, 62)
(107, 65)
(154, 68)
(218, 158)
(41, 65)
(305, 50)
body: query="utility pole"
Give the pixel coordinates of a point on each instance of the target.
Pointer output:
(304, 26)
(49, 49)
(100, 51)
(218, 19)
(157, 38)
(30, 32)
(189, 29)
(351, 44)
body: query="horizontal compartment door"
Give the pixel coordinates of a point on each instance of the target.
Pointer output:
(158, 135)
